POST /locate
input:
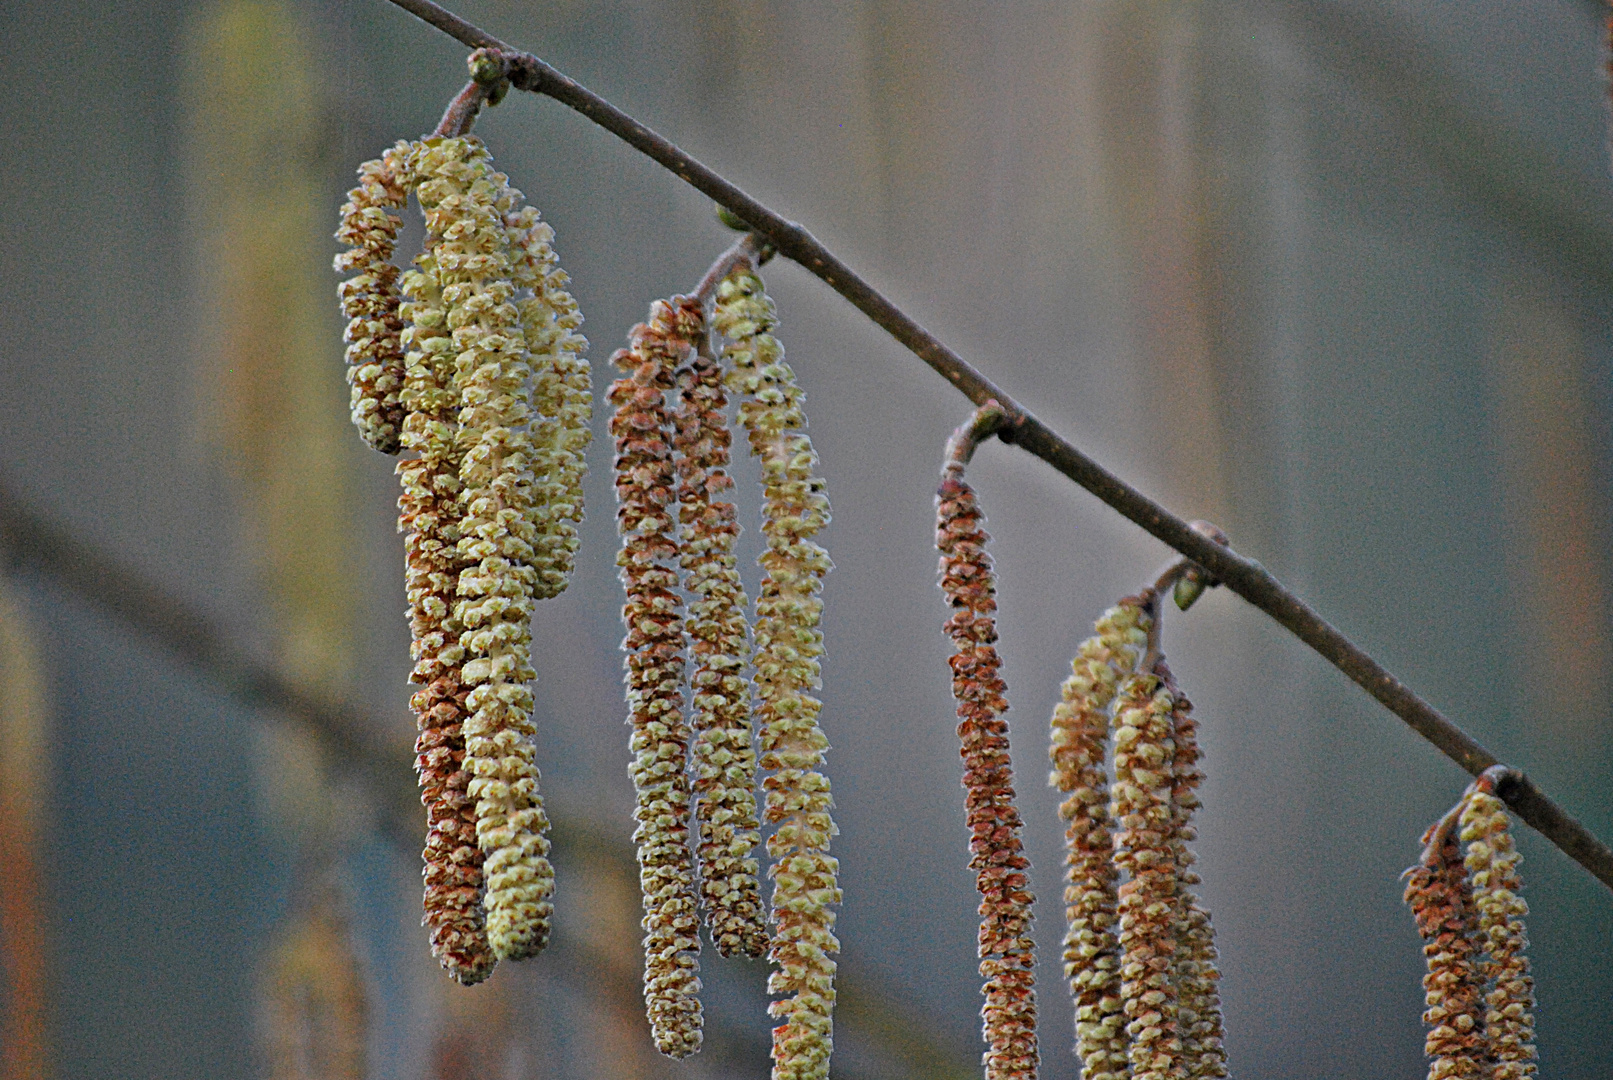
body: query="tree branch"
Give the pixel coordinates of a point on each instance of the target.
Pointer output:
(1242, 575)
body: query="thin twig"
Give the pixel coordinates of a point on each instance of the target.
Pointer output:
(1241, 574)
(745, 249)
(460, 115)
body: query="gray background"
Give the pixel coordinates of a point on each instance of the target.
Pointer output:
(1336, 275)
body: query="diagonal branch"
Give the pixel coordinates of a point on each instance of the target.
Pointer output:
(1242, 575)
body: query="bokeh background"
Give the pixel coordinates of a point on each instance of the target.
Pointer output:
(1337, 275)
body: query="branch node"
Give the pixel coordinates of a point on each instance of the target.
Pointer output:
(1193, 579)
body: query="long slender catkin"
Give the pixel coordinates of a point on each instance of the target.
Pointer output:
(1198, 1015)
(1492, 863)
(1080, 729)
(1441, 901)
(996, 853)
(1141, 805)
(788, 645)
(646, 502)
(370, 298)
(724, 757)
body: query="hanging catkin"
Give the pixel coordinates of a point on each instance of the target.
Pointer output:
(788, 645)
(428, 515)
(1079, 747)
(1142, 807)
(561, 403)
(724, 759)
(996, 853)
(1492, 863)
(370, 299)
(1198, 1015)
(646, 497)
(1442, 903)
(464, 201)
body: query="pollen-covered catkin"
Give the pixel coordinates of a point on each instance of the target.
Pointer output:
(1492, 863)
(370, 298)
(1142, 806)
(1079, 746)
(788, 644)
(428, 515)
(724, 757)
(1442, 903)
(996, 853)
(1198, 1006)
(561, 400)
(646, 498)
(464, 202)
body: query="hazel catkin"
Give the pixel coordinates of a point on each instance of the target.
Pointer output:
(1441, 901)
(428, 515)
(996, 852)
(788, 645)
(464, 203)
(1141, 806)
(1080, 729)
(646, 499)
(1492, 865)
(370, 298)
(724, 759)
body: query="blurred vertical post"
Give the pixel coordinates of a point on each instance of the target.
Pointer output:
(272, 406)
(23, 770)
(273, 398)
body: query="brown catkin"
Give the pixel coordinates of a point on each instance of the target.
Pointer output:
(464, 202)
(1080, 730)
(1198, 1015)
(1148, 903)
(428, 515)
(1442, 903)
(724, 757)
(1492, 863)
(370, 298)
(646, 497)
(788, 645)
(996, 853)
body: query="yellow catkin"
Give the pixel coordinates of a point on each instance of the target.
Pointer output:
(1492, 864)
(465, 203)
(428, 515)
(724, 759)
(561, 401)
(371, 297)
(1080, 730)
(1198, 1017)
(788, 645)
(646, 497)
(1441, 901)
(1148, 902)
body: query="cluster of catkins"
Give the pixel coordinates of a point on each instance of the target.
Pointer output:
(472, 362)
(1479, 993)
(1140, 954)
(690, 703)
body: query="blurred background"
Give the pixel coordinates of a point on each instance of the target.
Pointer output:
(1336, 275)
